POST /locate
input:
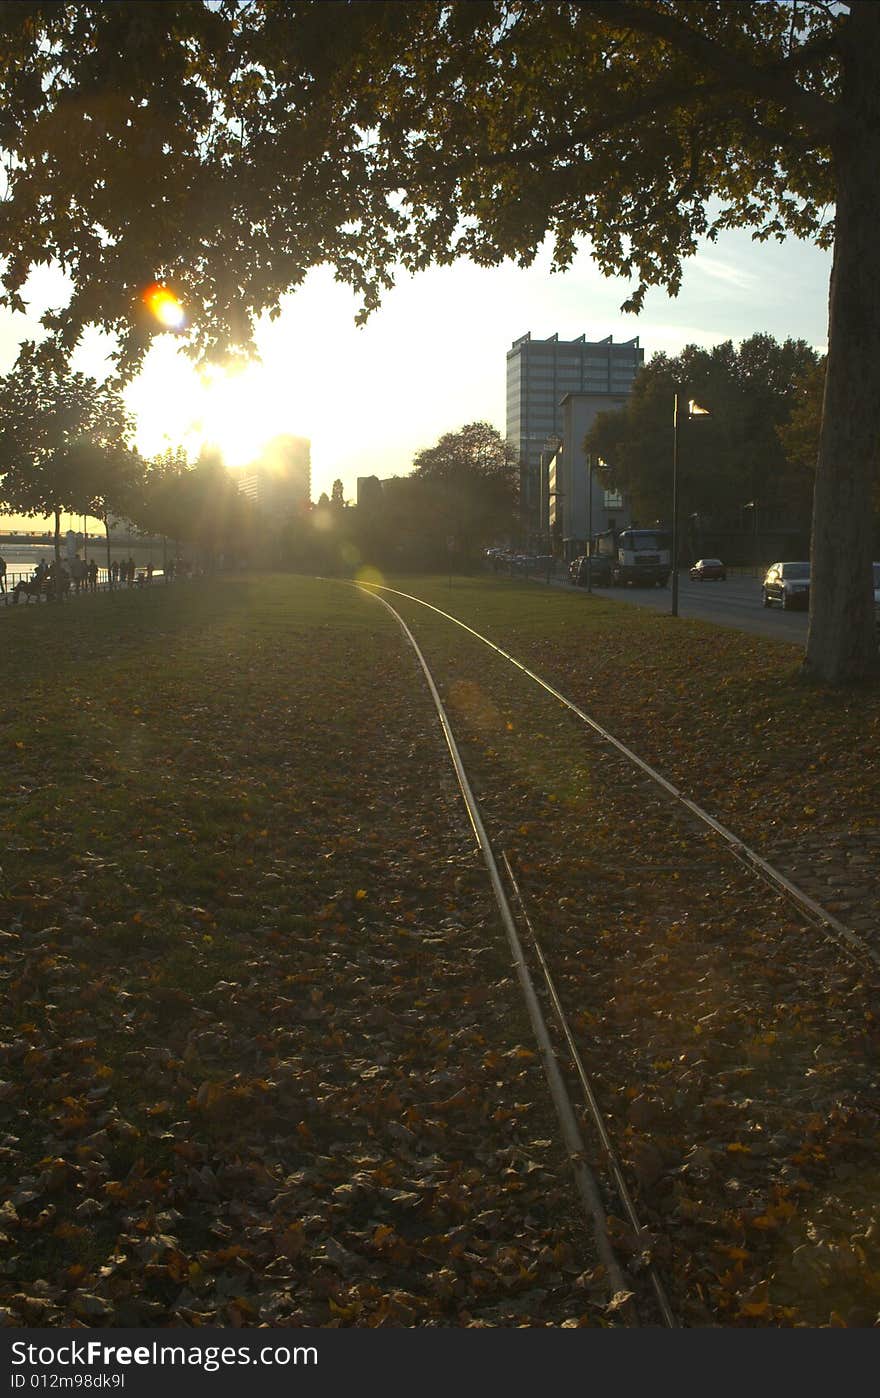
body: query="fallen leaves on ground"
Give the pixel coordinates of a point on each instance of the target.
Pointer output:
(263, 1059)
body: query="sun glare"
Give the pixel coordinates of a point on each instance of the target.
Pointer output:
(234, 411)
(238, 413)
(164, 305)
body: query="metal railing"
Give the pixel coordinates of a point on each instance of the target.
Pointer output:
(104, 582)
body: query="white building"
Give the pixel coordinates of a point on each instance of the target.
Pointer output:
(571, 518)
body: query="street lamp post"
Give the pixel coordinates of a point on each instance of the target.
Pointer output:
(753, 506)
(687, 409)
(590, 522)
(676, 413)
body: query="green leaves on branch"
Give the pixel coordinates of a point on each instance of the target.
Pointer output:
(230, 148)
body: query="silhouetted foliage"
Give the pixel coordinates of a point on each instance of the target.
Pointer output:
(466, 490)
(197, 506)
(729, 459)
(63, 442)
(223, 149)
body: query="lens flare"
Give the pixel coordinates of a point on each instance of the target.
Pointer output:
(368, 575)
(164, 305)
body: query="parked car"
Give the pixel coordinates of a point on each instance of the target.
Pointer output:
(708, 568)
(788, 584)
(579, 570)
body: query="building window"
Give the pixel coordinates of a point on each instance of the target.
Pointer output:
(613, 500)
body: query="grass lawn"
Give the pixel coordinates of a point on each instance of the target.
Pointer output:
(263, 1059)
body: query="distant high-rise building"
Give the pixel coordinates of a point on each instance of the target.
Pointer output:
(280, 481)
(369, 492)
(539, 374)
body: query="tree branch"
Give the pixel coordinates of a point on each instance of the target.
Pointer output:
(652, 102)
(767, 82)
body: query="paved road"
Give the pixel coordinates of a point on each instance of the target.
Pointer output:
(735, 603)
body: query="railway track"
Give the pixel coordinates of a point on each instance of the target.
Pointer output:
(671, 1092)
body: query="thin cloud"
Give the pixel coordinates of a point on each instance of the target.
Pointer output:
(724, 272)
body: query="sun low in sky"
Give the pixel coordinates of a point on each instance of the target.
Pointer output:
(432, 358)
(234, 410)
(164, 306)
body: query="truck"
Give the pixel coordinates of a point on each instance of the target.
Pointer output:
(642, 557)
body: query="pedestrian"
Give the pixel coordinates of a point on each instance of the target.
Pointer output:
(78, 573)
(149, 573)
(58, 581)
(3, 576)
(93, 576)
(130, 570)
(114, 572)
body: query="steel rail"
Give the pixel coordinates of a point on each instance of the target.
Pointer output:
(574, 1143)
(835, 930)
(593, 1107)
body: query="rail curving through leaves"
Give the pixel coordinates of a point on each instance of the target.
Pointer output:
(585, 1181)
(850, 942)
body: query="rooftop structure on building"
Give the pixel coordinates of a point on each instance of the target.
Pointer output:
(539, 375)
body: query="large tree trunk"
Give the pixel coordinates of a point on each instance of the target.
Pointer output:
(841, 644)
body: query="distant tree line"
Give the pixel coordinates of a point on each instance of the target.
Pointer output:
(756, 450)
(461, 495)
(66, 447)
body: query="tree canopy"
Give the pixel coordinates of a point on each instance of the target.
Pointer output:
(198, 504)
(736, 455)
(467, 488)
(460, 495)
(63, 441)
(226, 148)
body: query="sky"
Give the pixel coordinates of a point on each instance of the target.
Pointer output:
(432, 358)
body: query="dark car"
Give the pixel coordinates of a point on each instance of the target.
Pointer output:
(788, 584)
(600, 566)
(708, 569)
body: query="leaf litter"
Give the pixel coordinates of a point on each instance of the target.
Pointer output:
(734, 1051)
(263, 1060)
